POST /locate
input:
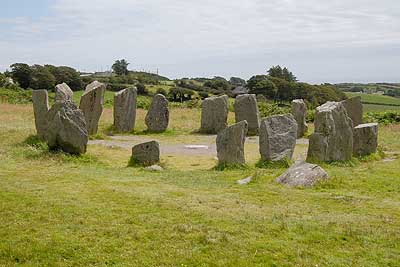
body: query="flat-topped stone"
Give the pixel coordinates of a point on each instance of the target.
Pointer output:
(63, 92)
(214, 114)
(125, 110)
(92, 105)
(40, 101)
(157, 118)
(246, 109)
(365, 139)
(230, 144)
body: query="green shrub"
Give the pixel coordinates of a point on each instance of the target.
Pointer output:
(269, 109)
(386, 117)
(15, 96)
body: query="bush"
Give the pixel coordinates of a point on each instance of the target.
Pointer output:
(141, 89)
(269, 109)
(161, 91)
(15, 96)
(203, 95)
(386, 117)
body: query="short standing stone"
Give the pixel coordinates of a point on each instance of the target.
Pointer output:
(299, 112)
(303, 174)
(146, 154)
(66, 128)
(246, 109)
(365, 139)
(332, 139)
(354, 109)
(40, 101)
(230, 144)
(63, 93)
(278, 137)
(92, 105)
(214, 114)
(125, 110)
(157, 117)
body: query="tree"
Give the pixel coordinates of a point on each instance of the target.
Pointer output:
(261, 85)
(41, 78)
(21, 73)
(236, 81)
(278, 72)
(120, 67)
(68, 75)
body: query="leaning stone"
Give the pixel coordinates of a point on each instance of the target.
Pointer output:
(214, 114)
(146, 154)
(92, 105)
(303, 174)
(246, 109)
(354, 109)
(299, 112)
(278, 137)
(332, 139)
(125, 110)
(63, 93)
(365, 139)
(157, 117)
(66, 128)
(40, 101)
(230, 144)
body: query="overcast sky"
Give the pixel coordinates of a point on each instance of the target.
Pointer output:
(320, 41)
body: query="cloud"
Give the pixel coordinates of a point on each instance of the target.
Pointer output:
(197, 37)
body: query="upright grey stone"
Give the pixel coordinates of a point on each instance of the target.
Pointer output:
(40, 101)
(365, 139)
(214, 114)
(146, 154)
(246, 109)
(354, 109)
(299, 112)
(157, 118)
(332, 139)
(63, 93)
(303, 174)
(92, 105)
(278, 137)
(125, 110)
(66, 129)
(230, 144)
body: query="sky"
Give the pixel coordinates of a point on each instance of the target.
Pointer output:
(320, 41)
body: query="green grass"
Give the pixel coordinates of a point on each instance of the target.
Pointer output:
(376, 99)
(60, 210)
(379, 108)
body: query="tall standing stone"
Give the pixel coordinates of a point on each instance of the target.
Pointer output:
(63, 93)
(92, 105)
(332, 139)
(246, 109)
(125, 110)
(157, 118)
(214, 114)
(299, 112)
(66, 128)
(365, 139)
(230, 144)
(278, 137)
(40, 101)
(354, 109)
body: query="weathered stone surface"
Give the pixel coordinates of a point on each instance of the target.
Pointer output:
(40, 101)
(245, 180)
(92, 105)
(246, 109)
(278, 137)
(365, 139)
(63, 93)
(66, 129)
(146, 154)
(125, 110)
(157, 117)
(299, 112)
(303, 174)
(354, 109)
(230, 144)
(214, 114)
(332, 139)
(154, 168)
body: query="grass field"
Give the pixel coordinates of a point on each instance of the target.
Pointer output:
(59, 210)
(373, 102)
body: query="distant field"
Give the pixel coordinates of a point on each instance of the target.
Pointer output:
(373, 102)
(378, 108)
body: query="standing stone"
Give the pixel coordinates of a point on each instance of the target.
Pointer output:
(40, 101)
(246, 109)
(66, 128)
(278, 137)
(365, 139)
(63, 93)
(92, 105)
(299, 112)
(157, 117)
(214, 114)
(146, 153)
(125, 110)
(230, 144)
(354, 109)
(303, 174)
(332, 139)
